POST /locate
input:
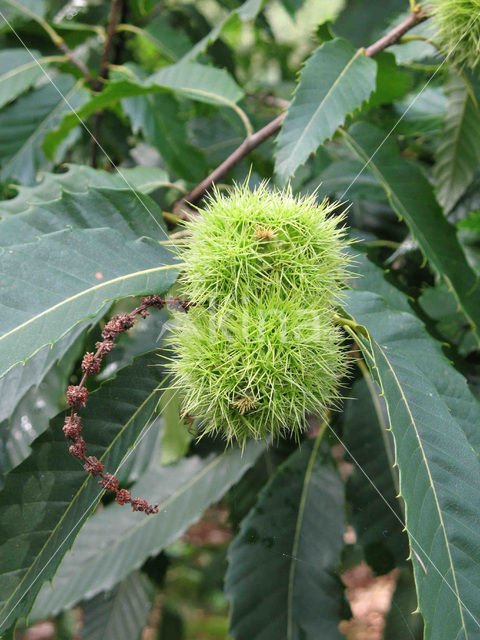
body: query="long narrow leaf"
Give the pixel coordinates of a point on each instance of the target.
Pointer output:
(335, 81)
(430, 409)
(183, 491)
(280, 579)
(412, 197)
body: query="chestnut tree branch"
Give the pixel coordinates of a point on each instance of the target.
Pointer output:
(115, 13)
(251, 142)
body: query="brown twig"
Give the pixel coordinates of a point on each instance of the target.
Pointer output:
(77, 63)
(115, 13)
(182, 208)
(77, 397)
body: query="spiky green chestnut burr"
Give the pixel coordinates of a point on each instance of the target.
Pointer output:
(458, 23)
(256, 369)
(260, 349)
(248, 242)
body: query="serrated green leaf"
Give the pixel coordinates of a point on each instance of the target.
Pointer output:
(458, 152)
(24, 124)
(130, 214)
(78, 179)
(432, 416)
(183, 492)
(46, 500)
(336, 80)
(34, 393)
(68, 276)
(18, 72)
(281, 576)
(412, 197)
(379, 528)
(120, 614)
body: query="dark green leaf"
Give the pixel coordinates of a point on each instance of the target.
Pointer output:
(440, 304)
(18, 72)
(338, 176)
(280, 579)
(247, 11)
(46, 500)
(458, 153)
(67, 276)
(156, 116)
(183, 491)
(189, 80)
(33, 394)
(432, 416)
(120, 614)
(361, 23)
(24, 124)
(318, 108)
(78, 179)
(412, 197)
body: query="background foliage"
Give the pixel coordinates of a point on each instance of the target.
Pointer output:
(111, 116)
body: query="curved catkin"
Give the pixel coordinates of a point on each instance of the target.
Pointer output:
(259, 349)
(458, 24)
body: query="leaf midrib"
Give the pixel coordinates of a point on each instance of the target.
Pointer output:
(327, 95)
(391, 194)
(42, 124)
(454, 147)
(78, 295)
(432, 485)
(298, 527)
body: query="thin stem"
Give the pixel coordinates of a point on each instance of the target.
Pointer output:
(57, 39)
(347, 322)
(171, 217)
(410, 38)
(115, 13)
(252, 141)
(138, 31)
